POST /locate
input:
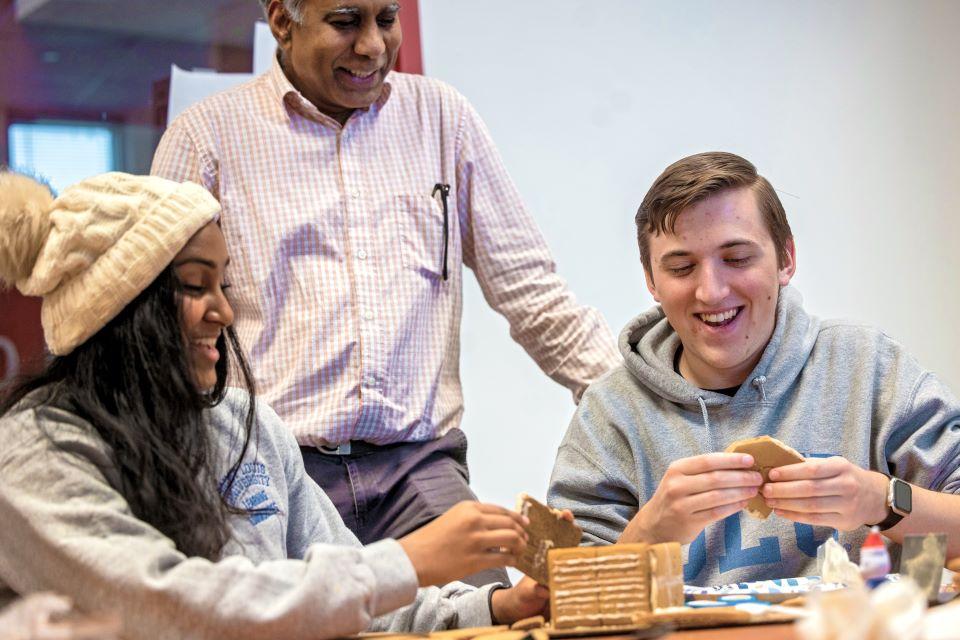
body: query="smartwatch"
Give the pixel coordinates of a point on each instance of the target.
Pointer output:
(899, 503)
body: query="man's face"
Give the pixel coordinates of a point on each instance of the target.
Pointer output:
(717, 279)
(340, 54)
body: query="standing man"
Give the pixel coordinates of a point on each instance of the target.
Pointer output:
(351, 197)
(730, 354)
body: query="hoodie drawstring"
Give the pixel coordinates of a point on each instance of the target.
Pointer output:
(703, 410)
(758, 382)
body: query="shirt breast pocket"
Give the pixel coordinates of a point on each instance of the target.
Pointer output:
(419, 222)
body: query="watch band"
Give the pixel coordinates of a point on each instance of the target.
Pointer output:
(894, 514)
(890, 521)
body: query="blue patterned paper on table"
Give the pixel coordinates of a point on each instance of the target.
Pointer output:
(784, 585)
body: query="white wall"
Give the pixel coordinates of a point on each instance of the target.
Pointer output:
(849, 108)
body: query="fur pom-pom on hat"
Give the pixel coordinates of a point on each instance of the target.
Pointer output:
(25, 206)
(90, 252)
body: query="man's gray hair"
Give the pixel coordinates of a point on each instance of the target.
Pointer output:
(293, 7)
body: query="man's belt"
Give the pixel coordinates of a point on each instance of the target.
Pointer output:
(340, 450)
(354, 447)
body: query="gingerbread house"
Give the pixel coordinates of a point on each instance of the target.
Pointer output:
(613, 586)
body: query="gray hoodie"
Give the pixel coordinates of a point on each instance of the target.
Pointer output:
(292, 570)
(823, 387)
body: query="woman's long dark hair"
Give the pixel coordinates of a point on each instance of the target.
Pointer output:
(134, 382)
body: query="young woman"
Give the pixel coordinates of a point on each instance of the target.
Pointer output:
(133, 479)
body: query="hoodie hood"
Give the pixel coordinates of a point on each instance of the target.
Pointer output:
(649, 344)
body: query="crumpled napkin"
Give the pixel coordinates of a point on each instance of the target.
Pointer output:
(943, 622)
(892, 611)
(836, 565)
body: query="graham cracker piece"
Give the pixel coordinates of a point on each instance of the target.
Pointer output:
(502, 635)
(548, 529)
(597, 587)
(687, 618)
(768, 453)
(666, 575)
(463, 634)
(526, 624)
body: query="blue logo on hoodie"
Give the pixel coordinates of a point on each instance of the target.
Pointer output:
(247, 490)
(768, 551)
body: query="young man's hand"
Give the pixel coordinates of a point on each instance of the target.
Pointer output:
(693, 493)
(468, 538)
(832, 492)
(525, 599)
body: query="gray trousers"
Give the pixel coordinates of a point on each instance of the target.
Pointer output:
(390, 490)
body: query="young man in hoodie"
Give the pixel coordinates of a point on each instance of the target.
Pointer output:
(728, 354)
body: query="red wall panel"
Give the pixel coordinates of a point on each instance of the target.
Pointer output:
(410, 57)
(21, 336)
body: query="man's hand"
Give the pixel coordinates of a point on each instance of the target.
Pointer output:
(830, 492)
(567, 515)
(468, 538)
(693, 493)
(525, 599)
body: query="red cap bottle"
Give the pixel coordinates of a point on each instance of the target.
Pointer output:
(874, 559)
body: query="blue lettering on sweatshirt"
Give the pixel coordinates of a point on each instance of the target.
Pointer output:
(736, 557)
(768, 551)
(697, 557)
(248, 477)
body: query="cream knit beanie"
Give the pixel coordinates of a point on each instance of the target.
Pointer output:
(90, 252)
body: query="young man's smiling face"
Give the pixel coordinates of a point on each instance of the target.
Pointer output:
(717, 278)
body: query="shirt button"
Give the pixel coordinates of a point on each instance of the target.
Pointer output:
(355, 194)
(368, 315)
(362, 254)
(370, 380)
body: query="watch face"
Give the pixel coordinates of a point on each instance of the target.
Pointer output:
(902, 497)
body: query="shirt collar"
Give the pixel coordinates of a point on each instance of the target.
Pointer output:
(288, 95)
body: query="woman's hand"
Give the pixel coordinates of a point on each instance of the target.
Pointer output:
(470, 537)
(525, 599)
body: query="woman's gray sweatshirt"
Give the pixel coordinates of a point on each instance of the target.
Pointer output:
(822, 387)
(293, 569)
